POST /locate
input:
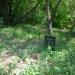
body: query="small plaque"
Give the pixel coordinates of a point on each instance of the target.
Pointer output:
(50, 41)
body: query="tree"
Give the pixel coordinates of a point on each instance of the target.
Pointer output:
(57, 12)
(48, 16)
(51, 14)
(15, 11)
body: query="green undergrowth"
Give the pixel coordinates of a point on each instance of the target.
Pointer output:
(26, 40)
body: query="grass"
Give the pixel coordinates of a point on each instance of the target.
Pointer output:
(22, 52)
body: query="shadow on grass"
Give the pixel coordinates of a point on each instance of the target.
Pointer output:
(20, 39)
(64, 39)
(25, 40)
(27, 37)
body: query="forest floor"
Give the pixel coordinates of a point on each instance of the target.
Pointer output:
(22, 52)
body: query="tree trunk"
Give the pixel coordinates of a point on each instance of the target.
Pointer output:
(49, 18)
(0, 8)
(5, 11)
(11, 19)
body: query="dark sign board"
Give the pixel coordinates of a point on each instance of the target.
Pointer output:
(50, 41)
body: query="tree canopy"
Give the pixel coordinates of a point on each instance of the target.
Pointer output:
(34, 11)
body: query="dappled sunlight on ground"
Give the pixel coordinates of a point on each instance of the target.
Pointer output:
(22, 49)
(7, 59)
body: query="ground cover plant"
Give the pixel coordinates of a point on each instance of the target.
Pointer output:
(31, 58)
(37, 37)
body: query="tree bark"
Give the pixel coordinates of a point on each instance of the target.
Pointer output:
(48, 18)
(51, 14)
